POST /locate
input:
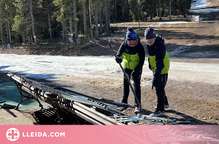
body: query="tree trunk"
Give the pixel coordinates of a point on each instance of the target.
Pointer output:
(109, 12)
(1, 32)
(64, 31)
(28, 39)
(159, 10)
(164, 12)
(96, 22)
(84, 16)
(91, 31)
(170, 10)
(76, 23)
(107, 23)
(100, 12)
(32, 21)
(70, 22)
(9, 33)
(127, 10)
(107, 18)
(71, 30)
(184, 8)
(50, 29)
(116, 10)
(23, 39)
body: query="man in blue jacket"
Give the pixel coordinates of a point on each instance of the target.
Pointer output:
(132, 53)
(159, 64)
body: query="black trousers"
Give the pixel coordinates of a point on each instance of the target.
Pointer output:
(137, 87)
(160, 91)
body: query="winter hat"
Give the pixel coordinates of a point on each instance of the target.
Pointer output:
(149, 33)
(131, 35)
(129, 29)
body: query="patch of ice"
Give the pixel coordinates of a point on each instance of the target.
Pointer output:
(207, 10)
(179, 50)
(172, 22)
(201, 19)
(146, 83)
(207, 54)
(199, 4)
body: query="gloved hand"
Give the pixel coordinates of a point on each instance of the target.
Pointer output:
(154, 82)
(118, 59)
(133, 74)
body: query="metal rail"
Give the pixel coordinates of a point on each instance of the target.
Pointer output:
(93, 110)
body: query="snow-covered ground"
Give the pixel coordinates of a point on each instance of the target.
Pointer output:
(56, 67)
(200, 7)
(199, 4)
(207, 10)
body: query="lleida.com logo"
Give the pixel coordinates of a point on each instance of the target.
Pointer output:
(12, 134)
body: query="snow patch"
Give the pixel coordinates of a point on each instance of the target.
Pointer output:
(199, 4)
(95, 67)
(179, 50)
(207, 10)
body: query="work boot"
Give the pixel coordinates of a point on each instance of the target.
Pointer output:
(137, 110)
(157, 113)
(165, 106)
(124, 101)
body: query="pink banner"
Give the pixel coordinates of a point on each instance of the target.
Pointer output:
(92, 134)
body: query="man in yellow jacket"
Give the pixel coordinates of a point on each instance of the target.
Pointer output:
(132, 53)
(159, 64)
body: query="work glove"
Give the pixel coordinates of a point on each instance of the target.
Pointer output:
(133, 74)
(149, 65)
(154, 82)
(118, 59)
(155, 79)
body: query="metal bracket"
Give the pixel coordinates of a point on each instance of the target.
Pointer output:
(25, 97)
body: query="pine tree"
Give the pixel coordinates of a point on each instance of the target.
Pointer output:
(7, 12)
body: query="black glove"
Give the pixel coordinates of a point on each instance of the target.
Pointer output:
(118, 59)
(133, 74)
(154, 82)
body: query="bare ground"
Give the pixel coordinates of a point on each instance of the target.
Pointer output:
(194, 101)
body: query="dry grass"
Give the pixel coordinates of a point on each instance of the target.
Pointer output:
(214, 3)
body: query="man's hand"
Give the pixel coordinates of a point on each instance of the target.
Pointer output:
(154, 82)
(133, 74)
(118, 59)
